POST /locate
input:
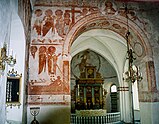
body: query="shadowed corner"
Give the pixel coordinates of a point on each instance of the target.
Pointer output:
(58, 116)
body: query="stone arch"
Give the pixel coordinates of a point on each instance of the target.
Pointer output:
(139, 36)
(117, 24)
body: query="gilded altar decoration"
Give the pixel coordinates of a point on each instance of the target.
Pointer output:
(88, 113)
(89, 90)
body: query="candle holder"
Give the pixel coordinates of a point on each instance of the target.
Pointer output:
(34, 112)
(6, 59)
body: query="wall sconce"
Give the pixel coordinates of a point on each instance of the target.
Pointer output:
(5, 59)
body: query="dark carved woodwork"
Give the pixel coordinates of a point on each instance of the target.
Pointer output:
(88, 91)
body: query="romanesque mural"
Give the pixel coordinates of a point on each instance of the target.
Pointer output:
(49, 68)
(48, 71)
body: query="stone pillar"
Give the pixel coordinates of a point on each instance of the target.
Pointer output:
(125, 103)
(148, 94)
(151, 78)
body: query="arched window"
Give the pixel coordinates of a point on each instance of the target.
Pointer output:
(113, 95)
(113, 88)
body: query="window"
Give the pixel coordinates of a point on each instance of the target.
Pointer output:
(113, 95)
(113, 89)
(13, 89)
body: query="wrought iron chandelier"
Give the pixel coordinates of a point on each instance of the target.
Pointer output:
(133, 73)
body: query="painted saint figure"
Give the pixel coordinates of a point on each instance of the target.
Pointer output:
(42, 59)
(67, 22)
(51, 51)
(33, 50)
(48, 22)
(83, 62)
(109, 8)
(38, 22)
(59, 25)
(52, 60)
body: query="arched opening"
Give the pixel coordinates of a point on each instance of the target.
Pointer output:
(102, 72)
(113, 88)
(114, 98)
(99, 48)
(109, 49)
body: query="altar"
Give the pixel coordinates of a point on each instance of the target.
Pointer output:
(89, 113)
(89, 90)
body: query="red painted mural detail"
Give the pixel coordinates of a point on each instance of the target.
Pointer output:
(48, 22)
(52, 60)
(33, 50)
(52, 26)
(49, 72)
(109, 8)
(57, 86)
(46, 77)
(66, 73)
(67, 22)
(73, 12)
(38, 21)
(151, 78)
(147, 96)
(42, 59)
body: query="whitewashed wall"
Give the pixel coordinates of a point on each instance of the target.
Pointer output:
(51, 114)
(17, 44)
(12, 34)
(4, 37)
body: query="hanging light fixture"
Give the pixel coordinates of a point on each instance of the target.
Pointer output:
(5, 59)
(132, 74)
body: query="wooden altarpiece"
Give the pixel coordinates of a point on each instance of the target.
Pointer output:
(89, 90)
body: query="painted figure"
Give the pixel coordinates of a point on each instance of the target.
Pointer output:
(59, 25)
(33, 50)
(42, 59)
(51, 51)
(83, 62)
(38, 22)
(52, 60)
(109, 8)
(55, 58)
(48, 22)
(67, 22)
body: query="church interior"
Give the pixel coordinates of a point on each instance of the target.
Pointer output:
(79, 61)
